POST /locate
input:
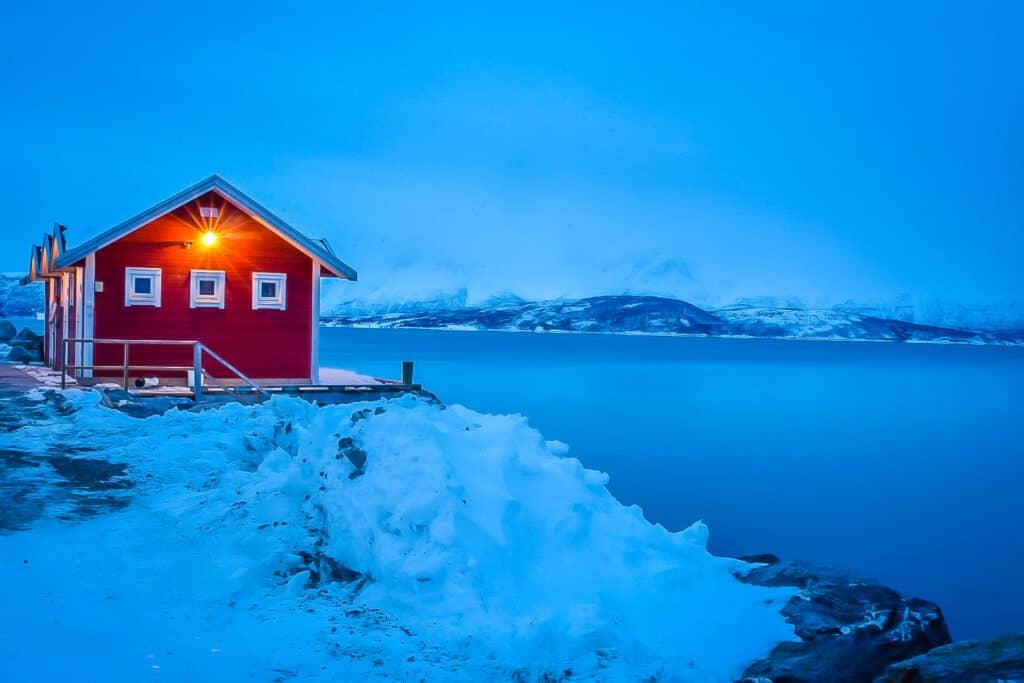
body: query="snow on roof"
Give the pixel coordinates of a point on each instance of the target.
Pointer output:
(317, 248)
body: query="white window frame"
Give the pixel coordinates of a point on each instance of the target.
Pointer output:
(278, 302)
(131, 297)
(215, 300)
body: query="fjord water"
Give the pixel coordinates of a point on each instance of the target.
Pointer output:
(901, 462)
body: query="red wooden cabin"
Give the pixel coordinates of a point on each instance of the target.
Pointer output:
(209, 265)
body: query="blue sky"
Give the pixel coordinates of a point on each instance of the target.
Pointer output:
(812, 150)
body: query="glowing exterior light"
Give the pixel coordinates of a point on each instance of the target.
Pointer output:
(209, 238)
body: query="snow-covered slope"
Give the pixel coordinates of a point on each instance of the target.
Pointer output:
(834, 324)
(1008, 317)
(660, 315)
(18, 300)
(397, 540)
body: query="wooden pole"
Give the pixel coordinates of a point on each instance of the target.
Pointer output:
(197, 371)
(406, 372)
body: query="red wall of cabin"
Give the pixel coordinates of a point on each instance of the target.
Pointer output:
(262, 343)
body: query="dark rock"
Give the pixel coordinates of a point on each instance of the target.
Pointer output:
(763, 558)
(323, 568)
(7, 330)
(850, 629)
(29, 335)
(26, 343)
(971, 661)
(347, 447)
(356, 456)
(359, 415)
(30, 345)
(19, 354)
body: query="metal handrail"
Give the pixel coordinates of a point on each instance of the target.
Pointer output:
(200, 347)
(197, 362)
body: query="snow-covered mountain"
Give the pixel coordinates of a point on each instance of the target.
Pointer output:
(17, 300)
(661, 315)
(838, 324)
(990, 318)
(759, 317)
(595, 314)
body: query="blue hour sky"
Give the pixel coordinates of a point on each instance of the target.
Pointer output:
(819, 150)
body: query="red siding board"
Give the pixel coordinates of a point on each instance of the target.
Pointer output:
(262, 343)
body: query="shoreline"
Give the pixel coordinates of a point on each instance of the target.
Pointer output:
(325, 323)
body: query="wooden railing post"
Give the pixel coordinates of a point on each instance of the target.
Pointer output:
(64, 365)
(406, 372)
(197, 371)
(126, 366)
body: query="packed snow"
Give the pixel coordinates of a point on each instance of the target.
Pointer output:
(45, 375)
(343, 376)
(395, 540)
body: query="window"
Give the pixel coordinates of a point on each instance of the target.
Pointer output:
(142, 287)
(268, 290)
(207, 289)
(209, 211)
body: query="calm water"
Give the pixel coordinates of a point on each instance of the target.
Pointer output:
(904, 463)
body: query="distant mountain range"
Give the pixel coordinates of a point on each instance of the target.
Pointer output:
(628, 314)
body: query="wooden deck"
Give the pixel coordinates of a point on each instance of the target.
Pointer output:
(14, 380)
(358, 392)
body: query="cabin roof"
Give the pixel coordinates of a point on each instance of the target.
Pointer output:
(317, 248)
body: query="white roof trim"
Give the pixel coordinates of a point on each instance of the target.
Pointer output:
(317, 249)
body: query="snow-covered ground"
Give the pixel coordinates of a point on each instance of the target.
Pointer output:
(400, 540)
(343, 376)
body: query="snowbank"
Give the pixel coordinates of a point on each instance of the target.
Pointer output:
(396, 540)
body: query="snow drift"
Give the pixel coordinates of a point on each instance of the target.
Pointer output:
(400, 539)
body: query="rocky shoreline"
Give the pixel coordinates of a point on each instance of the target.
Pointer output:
(21, 347)
(853, 630)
